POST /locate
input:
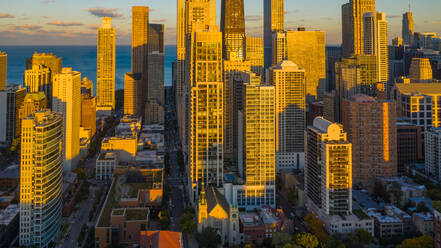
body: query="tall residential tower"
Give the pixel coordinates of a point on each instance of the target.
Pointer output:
(274, 21)
(105, 76)
(408, 28)
(233, 29)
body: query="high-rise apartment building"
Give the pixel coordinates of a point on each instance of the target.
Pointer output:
(37, 79)
(231, 70)
(352, 25)
(155, 89)
(259, 122)
(371, 128)
(87, 87)
(140, 34)
(333, 55)
(11, 99)
(32, 102)
(105, 72)
(328, 169)
(132, 86)
(154, 112)
(419, 102)
(66, 99)
(420, 70)
(376, 42)
(3, 69)
(357, 74)
(41, 178)
(408, 29)
(254, 54)
(307, 50)
(233, 29)
(432, 148)
(204, 122)
(88, 113)
(290, 83)
(48, 60)
(409, 144)
(274, 21)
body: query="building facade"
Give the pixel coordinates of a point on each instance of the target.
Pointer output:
(408, 28)
(432, 148)
(41, 178)
(352, 25)
(307, 50)
(233, 29)
(3, 69)
(11, 99)
(371, 128)
(105, 76)
(290, 83)
(254, 54)
(132, 91)
(409, 145)
(420, 70)
(67, 101)
(274, 21)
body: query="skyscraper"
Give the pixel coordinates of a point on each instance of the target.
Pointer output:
(38, 78)
(48, 60)
(32, 102)
(376, 42)
(408, 28)
(3, 69)
(132, 85)
(432, 150)
(274, 21)
(328, 169)
(254, 54)
(41, 178)
(421, 70)
(67, 101)
(352, 25)
(105, 76)
(233, 29)
(88, 113)
(11, 99)
(289, 81)
(140, 26)
(231, 70)
(155, 89)
(205, 103)
(179, 67)
(307, 49)
(259, 138)
(371, 128)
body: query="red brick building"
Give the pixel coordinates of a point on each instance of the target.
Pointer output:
(161, 239)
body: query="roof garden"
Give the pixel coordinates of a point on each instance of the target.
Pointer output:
(360, 214)
(136, 213)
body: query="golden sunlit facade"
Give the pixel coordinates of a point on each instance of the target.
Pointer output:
(307, 50)
(205, 120)
(352, 25)
(38, 78)
(421, 70)
(289, 81)
(254, 54)
(31, 103)
(259, 135)
(408, 28)
(233, 29)
(328, 170)
(67, 100)
(41, 178)
(231, 69)
(3, 69)
(105, 76)
(376, 42)
(132, 86)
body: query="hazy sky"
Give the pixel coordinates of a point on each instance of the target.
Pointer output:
(69, 22)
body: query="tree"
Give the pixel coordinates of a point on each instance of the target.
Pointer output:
(364, 236)
(424, 241)
(434, 194)
(292, 196)
(208, 238)
(316, 226)
(164, 219)
(306, 240)
(395, 191)
(186, 222)
(381, 191)
(280, 239)
(81, 173)
(332, 242)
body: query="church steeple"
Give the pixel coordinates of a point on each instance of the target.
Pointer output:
(202, 209)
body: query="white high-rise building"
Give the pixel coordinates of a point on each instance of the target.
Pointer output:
(432, 148)
(376, 43)
(67, 101)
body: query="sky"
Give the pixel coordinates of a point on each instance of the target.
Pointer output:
(75, 22)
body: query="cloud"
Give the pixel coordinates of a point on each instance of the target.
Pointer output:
(434, 22)
(103, 12)
(253, 18)
(288, 12)
(159, 20)
(26, 27)
(93, 26)
(45, 17)
(60, 23)
(393, 16)
(48, 1)
(6, 15)
(327, 18)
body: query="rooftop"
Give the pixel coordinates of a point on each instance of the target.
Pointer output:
(9, 213)
(424, 216)
(430, 89)
(12, 171)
